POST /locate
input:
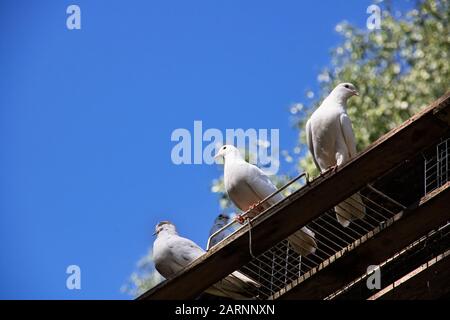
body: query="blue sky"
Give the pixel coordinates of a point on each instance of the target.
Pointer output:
(86, 118)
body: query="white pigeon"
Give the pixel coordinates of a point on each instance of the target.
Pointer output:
(172, 253)
(247, 186)
(221, 221)
(331, 141)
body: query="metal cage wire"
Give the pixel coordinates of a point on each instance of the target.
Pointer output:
(442, 232)
(280, 266)
(437, 166)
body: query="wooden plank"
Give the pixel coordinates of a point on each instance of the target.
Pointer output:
(442, 112)
(397, 266)
(283, 219)
(428, 282)
(432, 211)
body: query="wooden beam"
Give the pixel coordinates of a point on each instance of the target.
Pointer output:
(428, 282)
(402, 263)
(432, 211)
(295, 211)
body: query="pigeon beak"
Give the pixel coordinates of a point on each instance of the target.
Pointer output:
(217, 156)
(356, 93)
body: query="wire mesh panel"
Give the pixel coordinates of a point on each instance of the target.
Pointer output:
(281, 265)
(402, 262)
(437, 166)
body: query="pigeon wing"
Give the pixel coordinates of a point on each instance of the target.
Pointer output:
(261, 185)
(349, 136)
(309, 141)
(184, 251)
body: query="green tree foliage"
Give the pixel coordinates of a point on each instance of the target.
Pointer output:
(143, 278)
(398, 70)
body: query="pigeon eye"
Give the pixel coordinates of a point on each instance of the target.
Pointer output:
(224, 148)
(347, 86)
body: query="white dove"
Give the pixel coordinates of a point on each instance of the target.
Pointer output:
(221, 221)
(172, 253)
(331, 141)
(247, 186)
